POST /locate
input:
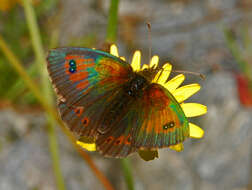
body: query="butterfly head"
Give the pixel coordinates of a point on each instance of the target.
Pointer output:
(149, 73)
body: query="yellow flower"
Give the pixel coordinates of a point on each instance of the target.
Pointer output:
(179, 93)
(87, 146)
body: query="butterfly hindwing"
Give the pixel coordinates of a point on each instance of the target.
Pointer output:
(165, 123)
(116, 140)
(150, 121)
(86, 80)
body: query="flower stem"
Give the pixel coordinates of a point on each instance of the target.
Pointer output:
(54, 150)
(41, 66)
(243, 65)
(126, 167)
(19, 87)
(22, 72)
(112, 21)
(50, 110)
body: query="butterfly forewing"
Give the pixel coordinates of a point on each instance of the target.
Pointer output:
(85, 81)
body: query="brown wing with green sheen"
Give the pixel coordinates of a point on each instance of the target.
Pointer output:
(152, 119)
(86, 81)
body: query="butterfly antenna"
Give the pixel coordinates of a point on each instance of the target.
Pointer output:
(148, 24)
(202, 76)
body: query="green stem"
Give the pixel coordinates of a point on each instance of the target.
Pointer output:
(41, 66)
(243, 65)
(19, 87)
(26, 78)
(126, 167)
(112, 21)
(246, 38)
(53, 146)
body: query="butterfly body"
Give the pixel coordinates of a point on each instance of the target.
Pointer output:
(100, 96)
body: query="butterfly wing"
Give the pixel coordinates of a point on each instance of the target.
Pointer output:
(166, 124)
(152, 120)
(85, 80)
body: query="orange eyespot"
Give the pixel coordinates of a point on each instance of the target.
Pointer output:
(78, 111)
(85, 121)
(109, 139)
(119, 140)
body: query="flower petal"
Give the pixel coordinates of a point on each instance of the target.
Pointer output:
(136, 61)
(87, 146)
(185, 92)
(193, 109)
(165, 72)
(195, 131)
(148, 155)
(178, 147)
(123, 58)
(174, 83)
(157, 76)
(114, 50)
(154, 61)
(145, 66)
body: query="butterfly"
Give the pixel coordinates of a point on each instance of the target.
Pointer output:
(102, 97)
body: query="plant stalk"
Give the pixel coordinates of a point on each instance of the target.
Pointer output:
(112, 21)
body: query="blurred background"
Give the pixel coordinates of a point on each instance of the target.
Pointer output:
(213, 37)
